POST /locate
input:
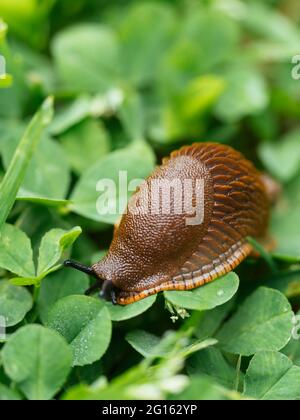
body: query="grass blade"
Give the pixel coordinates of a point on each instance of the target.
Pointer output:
(15, 173)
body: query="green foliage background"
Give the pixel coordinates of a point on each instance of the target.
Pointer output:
(132, 81)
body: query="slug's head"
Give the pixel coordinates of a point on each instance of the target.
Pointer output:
(107, 290)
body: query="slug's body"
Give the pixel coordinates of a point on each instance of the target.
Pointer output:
(155, 251)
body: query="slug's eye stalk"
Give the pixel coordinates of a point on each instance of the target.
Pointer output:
(80, 267)
(93, 288)
(107, 290)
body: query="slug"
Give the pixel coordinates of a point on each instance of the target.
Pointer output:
(166, 250)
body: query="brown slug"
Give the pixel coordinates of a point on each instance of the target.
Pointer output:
(155, 251)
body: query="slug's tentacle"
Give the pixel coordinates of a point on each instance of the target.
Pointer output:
(108, 291)
(93, 288)
(80, 267)
(113, 296)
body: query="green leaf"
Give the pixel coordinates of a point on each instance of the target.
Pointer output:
(145, 35)
(136, 159)
(202, 389)
(132, 116)
(53, 245)
(149, 379)
(38, 360)
(139, 382)
(144, 343)
(149, 345)
(292, 349)
(271, 23)
(246, 94)
(16, 252)
(38, 68)
(84, 392)
(285, 222)
(44, 201)
(287, 283)
(71, 114)
(198, 49)
(272, 376)
(15, 302)
(89, 137)
(199, 95)
(7, 394)
(87, 374)
(262, 322)
(208, 322)
(32, 14)
(12, 98)
(211, 362)
(286, 232)
(25, 281)
(282, 158)
(3, 30)
(15, 173)
(181, 113)
(121, 313)
(58, 285)
(208, 296)
(51, 165)
(86, 58)
(37, 220)
(6, 80)
(264, 254)
(85, 324)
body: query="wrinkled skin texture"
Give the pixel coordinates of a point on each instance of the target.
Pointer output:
(153, 252)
